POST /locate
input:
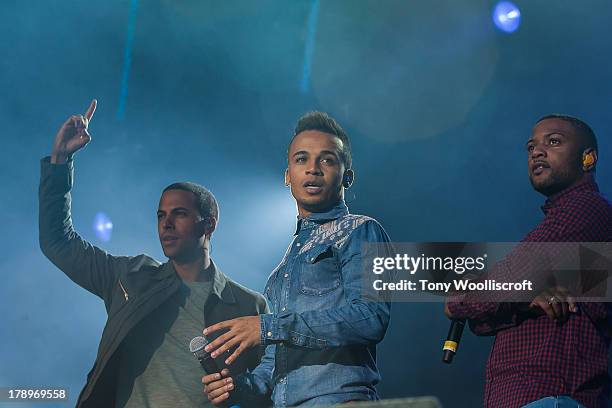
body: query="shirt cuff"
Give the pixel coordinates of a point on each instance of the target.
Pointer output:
(270, 329)
(46, 161)
(274, 329)
(59, 175)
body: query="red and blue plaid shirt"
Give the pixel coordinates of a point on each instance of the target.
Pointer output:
(539, 357)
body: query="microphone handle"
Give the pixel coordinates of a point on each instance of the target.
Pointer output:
(210, 367)
(452, 340)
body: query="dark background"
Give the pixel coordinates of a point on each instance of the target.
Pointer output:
(438, 102)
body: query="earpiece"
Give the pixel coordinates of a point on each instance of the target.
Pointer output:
(347, 179)
(588, 160)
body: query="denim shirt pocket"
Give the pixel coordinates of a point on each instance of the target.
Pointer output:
(320, 272)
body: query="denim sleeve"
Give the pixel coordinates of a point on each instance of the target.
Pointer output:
(361, 321)
(254, 388)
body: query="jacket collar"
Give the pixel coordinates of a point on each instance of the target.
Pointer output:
(220, 286)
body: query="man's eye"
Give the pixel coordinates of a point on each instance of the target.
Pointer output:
(530, 148)
(328, 160)
(159, 216)
(554, 141)
(300, 159)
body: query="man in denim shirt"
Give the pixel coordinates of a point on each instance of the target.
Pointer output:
(322, 333)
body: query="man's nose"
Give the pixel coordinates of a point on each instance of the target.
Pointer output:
(538, 152)
(314, 167)
(168, 223)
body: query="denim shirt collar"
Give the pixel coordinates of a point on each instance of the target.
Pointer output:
(314, 219)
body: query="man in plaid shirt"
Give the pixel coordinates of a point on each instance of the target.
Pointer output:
(559, 356)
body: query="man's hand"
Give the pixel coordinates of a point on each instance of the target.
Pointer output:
(447, 311)
(72, 136)
(217, 387)
(243, 332)
(556, 303)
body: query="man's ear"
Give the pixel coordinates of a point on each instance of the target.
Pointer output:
(206, 226)
(287, 178)
(210, 226)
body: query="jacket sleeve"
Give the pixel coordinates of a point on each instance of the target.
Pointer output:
(87, 265)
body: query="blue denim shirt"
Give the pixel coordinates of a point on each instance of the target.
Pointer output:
(322, 333)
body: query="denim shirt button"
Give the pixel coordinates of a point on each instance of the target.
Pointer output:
(298, 244)
(282, 380)
(294, 339)
(269, 334)
(286, 275)
(283, 309)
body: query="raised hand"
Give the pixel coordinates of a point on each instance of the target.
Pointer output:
(73, 135)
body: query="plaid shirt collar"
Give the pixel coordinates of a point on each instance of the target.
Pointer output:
(562, 197)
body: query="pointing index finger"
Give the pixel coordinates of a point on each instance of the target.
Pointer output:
(91, 110)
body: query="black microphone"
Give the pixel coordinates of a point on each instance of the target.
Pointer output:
(452, 340)
(196, 346)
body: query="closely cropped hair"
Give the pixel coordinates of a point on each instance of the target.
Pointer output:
(584, 130)
(205, 200)
(322, 122)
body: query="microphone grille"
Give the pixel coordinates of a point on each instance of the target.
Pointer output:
(196, 346)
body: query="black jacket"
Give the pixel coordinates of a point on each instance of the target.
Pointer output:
(131, 287)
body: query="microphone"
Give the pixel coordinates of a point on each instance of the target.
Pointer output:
(452, 340)
(196, 346)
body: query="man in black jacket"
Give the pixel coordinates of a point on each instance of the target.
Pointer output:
(154, 309)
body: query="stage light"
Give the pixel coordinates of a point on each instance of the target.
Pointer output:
(507, 16)
(103, 227)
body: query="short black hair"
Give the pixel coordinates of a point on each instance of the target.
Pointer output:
(322, 122)
(582, 129)
(205, 200)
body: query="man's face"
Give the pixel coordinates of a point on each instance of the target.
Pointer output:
(315, 171)
(179, 225)
(555, 156)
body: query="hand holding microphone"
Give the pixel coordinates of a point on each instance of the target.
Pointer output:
(217, 383)
(218, 387)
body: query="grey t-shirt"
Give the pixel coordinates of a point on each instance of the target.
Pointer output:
(157, 370)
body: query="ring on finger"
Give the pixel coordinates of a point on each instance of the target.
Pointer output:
(552, 300)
